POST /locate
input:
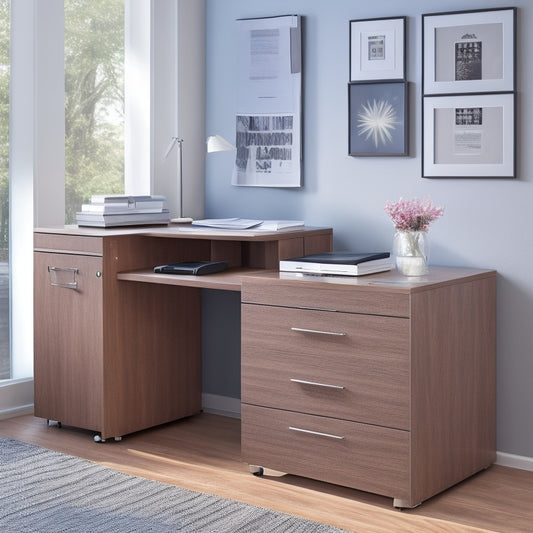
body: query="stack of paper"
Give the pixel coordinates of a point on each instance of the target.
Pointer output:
(118, 210)
(227, 223)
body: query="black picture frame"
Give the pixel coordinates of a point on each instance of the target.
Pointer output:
(378, 115)
(469, 136)
(469, 51)
(378, 49)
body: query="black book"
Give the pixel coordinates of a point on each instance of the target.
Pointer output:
(339, 263)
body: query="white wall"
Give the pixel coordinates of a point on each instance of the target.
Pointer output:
(487, 222)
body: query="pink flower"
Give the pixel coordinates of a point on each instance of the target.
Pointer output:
(413, 215)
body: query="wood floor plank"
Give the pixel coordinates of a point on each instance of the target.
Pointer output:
(203, 453)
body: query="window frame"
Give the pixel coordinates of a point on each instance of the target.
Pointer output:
(175, 107)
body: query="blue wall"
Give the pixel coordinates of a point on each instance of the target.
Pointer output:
(487, 223)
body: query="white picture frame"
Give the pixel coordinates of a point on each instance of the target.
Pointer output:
(377, 49)
(469, 136)
(469, 51)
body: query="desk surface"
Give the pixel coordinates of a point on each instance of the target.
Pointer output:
(185, 231)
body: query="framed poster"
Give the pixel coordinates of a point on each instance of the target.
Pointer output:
(268, 122)
(469, 136)
(378, 118)
(377, 49)
(469, 51)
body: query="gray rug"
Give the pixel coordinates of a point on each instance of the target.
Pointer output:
(45, 491)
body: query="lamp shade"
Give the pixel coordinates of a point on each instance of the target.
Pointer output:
(217, 143)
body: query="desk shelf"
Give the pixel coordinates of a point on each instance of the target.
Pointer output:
(229, 280)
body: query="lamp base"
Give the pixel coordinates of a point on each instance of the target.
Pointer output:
(181, 220)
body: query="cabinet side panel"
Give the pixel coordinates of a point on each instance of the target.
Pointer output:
(152, 356)
(153, 363)
(68, 340)
(453, 384)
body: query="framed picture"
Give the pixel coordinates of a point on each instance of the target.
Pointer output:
(377, 49)
(378, 118)
(469, 136)
(469, 51)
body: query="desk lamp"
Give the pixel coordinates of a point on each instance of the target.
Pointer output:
(214, 143)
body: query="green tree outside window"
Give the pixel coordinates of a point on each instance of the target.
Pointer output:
(94, 101)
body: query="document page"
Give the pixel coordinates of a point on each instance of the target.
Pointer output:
(268, 122)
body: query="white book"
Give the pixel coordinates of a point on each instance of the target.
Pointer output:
(339, 263)
(105, 220)
(108, 202)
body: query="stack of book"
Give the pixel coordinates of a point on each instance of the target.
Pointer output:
(116, 210)
(339, 263)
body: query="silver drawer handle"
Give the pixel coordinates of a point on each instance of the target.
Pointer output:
(59, 277)
(315, 384)
(319, 332)
(328, 435)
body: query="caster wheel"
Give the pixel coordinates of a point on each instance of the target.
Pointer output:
(118, 439)
(97, 438)
(257, 470)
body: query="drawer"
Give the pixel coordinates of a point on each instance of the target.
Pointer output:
(68, 243)
(340, 295)
(360, 456)
(353, 367)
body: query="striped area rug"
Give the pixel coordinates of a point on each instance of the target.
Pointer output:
(46, 491)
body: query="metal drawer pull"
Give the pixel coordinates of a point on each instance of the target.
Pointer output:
(303, 382)
(60, 277)
(316, 433)
(304, 330)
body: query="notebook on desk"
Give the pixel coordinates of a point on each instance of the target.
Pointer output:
(195, 268)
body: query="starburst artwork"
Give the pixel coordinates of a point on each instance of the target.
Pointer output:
(377, 120)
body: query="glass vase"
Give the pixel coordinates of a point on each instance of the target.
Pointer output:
(411, 252)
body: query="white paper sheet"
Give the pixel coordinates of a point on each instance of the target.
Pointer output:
(268, 123)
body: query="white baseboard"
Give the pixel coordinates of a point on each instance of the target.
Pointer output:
(221, 405)
(514, 461)
(16, 411)
(16, 398)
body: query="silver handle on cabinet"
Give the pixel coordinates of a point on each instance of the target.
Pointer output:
(328, 435)
(59, 277)
(315, 384)
(319, 332)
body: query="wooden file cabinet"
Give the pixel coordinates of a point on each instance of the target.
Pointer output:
(111, 357)
(381, 383)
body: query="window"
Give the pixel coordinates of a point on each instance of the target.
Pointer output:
(94, 101)
(39, 37)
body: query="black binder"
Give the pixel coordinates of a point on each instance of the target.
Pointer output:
(195, 268)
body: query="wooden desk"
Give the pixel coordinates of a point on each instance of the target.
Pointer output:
(117, 347)
(381, 383)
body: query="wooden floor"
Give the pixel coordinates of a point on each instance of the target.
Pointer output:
(203, 453)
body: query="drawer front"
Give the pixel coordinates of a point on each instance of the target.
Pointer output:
(68, 340)
(354, 367)
(340, 294)
(360, 456)
(68, 243)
